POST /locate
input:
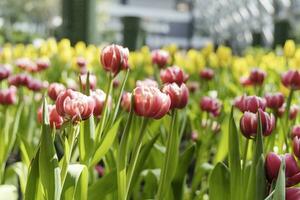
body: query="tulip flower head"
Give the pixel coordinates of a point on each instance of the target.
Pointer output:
(296, 147)
(92, 79)
(126, 101)
(294, 109)
(295, 131)
(292, 193)
(150, 102)
(54, 118)
(257, 76)
(274, 101)
(173, 75)
(114, 58)
(207, 74)
(179, 95)
(19, 80)
(291, 79)
(250, 103)
(99, 99)
(8, 96)
(35, 85)
(160, 57)
(54, 89)
(193, 86)
(210, 105)
(42, 64)
(4, 72)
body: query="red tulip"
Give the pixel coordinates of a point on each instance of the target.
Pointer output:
(114, 58)
(210, 105)
(54, 89)
(35, 85)
(19, 80)
(54, 118)
(291, 79)
(27, 64)
(296, 147)
(293, 111)
(173, 75)
(207, 74)
(275, 100)
(92, 79)
(151, 102)
(126, 101)
(8, 96)
(250, 103)
(292, 194)
(257, 76)
(4, 72)
(245, 81)
(147, 82)
(74, 105)
(249, 123)
(160, 57)
(42, 64)
(295, 131)
(99, 99)
(179, 95)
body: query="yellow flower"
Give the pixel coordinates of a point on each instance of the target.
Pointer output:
(80, 48)
(289, 48)
(224, 55)
(207, 50)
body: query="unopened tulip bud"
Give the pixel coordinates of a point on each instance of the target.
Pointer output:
(210, 105)
(35, 85)
(147, 82)
(274, 101)
(295, 131)
(296, 147)
(289, 48)
(126, 101)
(250, 103)
(257, 76)
(54, 89)
(99, 99)
(207, 74)
(4, 73)
(81, 62)
(54, 118)
(8, 96)
(160, 58)
(179, 95)
(245, 81)
(151, 102)
(114, 58)
(92, 79)
(42, 64)
(291, 79)
(173, 75)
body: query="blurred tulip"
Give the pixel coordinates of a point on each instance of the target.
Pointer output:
(81, 62)
(250, 103)
(291, 79)
(173, 74)
(99, 99)
(54, 89)
(4, 72)
(296, 147)
(193, 86)
(207, 74)
(116, 83)
(126, 101)
(295, 131)
(160, 57)
(293, 111)
(151, 102)
(274, 101)
(289, 48)
(74, 105)
(257, 76)
(114, 58)
(8, 96)
(42, 64)
(292, 194)
(35, 85)
(210, 105)
(245, 81)
(147, 83)
(92, 79)
(54, 118)
(19, 80)
(179, 95)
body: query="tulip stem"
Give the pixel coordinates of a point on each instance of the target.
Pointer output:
(287, 113)
(245, 154)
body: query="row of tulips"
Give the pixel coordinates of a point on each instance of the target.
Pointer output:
(160, 135)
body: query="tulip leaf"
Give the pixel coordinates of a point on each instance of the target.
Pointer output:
(86, 140)
(219, 183)
(103, 186)
(76, 183)
(234, 160)
(260, 179)
(279, 192)
(106, 143)
(20, 169)
(8, 192)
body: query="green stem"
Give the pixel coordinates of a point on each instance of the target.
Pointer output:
(245, 155)
(287, 113)
(135, 154)
(163, 182)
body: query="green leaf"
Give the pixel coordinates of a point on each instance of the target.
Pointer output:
(183, 164)
(234, 160)
(76, 183)
(103, 186)
(260, 179)
(48, 162)
(219, 183)
(21, 170)
(106, 143)
(8, 192)
(86, 140)
(279, 193)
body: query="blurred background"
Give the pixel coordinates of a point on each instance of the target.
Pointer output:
(134, 23)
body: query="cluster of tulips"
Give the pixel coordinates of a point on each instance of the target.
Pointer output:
(155, 129)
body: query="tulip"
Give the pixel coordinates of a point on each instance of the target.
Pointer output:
(194, 136)
(293, 111)
(193, 86)
(296, 147)
(295, 131)
(116, 83)
(81, 62)
(173, 74)
(99, 99)
(4, 72)
(54, 89)
(292, 194)
(35, 85)
(151, 102)
(8, 96)
(291, 79)
(274, 101)
(54, 118)
(92, 79)
(249, 123)
(27, 64)
(245, 81)
(114, 58)
(289, 48)
(210, 105)
(19, 80)
(250, 103)
(179, 95)
(160, 57)
(292, 171)
(74, 105)
(207, 74)
(126, 101)
(99, 170)
(257, 76)
(42, 64)
(147, 82)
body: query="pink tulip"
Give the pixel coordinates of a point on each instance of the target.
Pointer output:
(250, 103)
(257, 76)
(8, 96)
(54, 118)
(54, 89)
(173, 75)
(126, 101)
(99, 99)
(147, 82)
(292, 194)
(92, 79)
(179, 95)
(295, 131)
(296, 147)
(42, 64)
(207, 74)
(160, 58)
(275, 100)
(210, 105)
(4, 72)
(19, 80)
(291, 79)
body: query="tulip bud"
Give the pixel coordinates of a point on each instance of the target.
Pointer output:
(26, 64)
(173, 74)
(8, 96)
(295, 131)
(54, 118)
(210, 105)
(114, 58)
(257, 76)
(19, 80)
(54, 89)
(147, 83)
(179, 95)
(291, 79)
(289, 48)
(292, 193)
(4, 73)
(293, 111)
(81, 62)
(207, 74)
(296, 147)
(250, 103)
(245, 81)
(193, 86)
(92, 79)
(126, 101)
(99, 99)
(42, 64)
(151, 102)
(274, 101)
(74, 105)
(160, 58)
(35, 85)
